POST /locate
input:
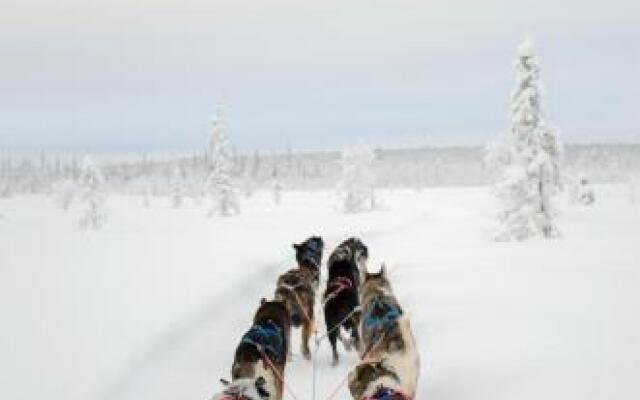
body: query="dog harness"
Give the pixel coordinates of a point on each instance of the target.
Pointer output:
(235, 396)
(383, 393)
(336, 286)
(266, 337)
(382, 317)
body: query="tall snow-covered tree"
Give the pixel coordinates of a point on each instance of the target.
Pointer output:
(220, 180)
(356, 187)
(93, 195)
(527, 161)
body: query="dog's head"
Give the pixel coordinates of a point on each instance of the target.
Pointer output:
(359, 251)
(376, 281)
(352, 250)
(367, 375)
(244, 389)
(309, 252)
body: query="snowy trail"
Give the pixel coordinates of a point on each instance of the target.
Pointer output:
(542, 319)
(176, 355)
(187, 359)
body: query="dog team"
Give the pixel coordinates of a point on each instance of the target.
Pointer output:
(355, 302)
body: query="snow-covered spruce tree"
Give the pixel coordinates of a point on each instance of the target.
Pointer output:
(220, 181)
(526, 162)
(92, 194)
(356, 186)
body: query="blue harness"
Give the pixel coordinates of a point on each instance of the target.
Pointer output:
(388, 394)
(382, 317)
(384, 394)
(267, 337)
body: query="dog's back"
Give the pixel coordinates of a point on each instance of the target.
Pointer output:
(380, 314)
(406, 363)
(387, 337)
(262, 351)
(296, 289)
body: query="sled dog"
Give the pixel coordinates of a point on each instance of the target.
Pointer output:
(390, 358)
(297, 288)
(258, 367)
(340, 299)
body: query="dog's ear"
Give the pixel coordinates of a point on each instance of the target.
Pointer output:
(224, 382)
(262, 301)
(296, 246)
(383, 270)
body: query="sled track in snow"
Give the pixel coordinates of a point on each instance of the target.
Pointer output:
(192, 326)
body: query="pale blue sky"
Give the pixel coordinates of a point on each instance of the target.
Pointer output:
(146, 74)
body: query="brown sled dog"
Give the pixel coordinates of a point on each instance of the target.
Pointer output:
(340, 299)
(258, 367)
(297, 288)
(390, 358)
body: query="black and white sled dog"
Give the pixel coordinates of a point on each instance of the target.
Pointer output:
(258, 367)
(340, 299)
(390, 364)
(297, 288)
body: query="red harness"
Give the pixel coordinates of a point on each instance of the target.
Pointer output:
(336, 286)
(235, 396)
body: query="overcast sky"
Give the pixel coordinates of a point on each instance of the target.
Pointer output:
(146, 74)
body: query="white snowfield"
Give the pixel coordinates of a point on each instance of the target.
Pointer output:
(152, 306)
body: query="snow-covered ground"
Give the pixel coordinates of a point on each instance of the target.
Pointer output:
(153, 305)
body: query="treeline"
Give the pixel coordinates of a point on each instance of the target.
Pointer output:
(303, 170)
